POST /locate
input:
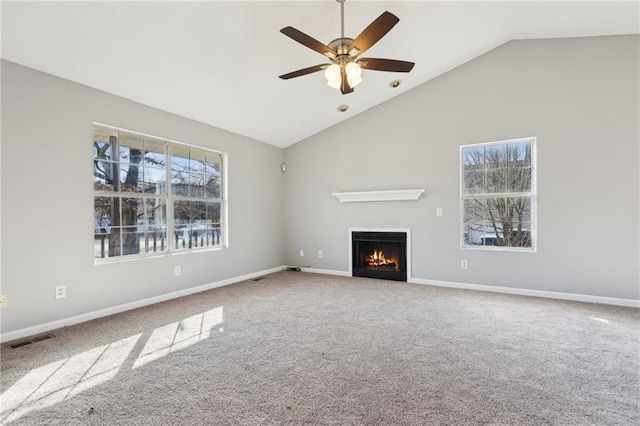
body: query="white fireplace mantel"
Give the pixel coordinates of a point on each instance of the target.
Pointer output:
(394, 195)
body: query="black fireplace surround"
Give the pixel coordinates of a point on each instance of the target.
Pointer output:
(380, 255)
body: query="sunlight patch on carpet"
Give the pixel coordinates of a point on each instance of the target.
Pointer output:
(179, 335)
(50, 384)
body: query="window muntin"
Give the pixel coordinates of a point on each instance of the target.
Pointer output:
(136, 212)
(498, 195)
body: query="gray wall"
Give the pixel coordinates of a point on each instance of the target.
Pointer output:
(579, 97)
(47, 202)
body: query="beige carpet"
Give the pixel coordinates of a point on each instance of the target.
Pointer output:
(297, 348)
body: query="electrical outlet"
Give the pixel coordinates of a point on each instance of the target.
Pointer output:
(320, 254)
(463, 264)
(3, 301)
(301, 253)
(439, 211)
(61, 291)
(178, 271)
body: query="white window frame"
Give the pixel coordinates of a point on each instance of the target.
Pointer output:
(532, 194)
(169, 198)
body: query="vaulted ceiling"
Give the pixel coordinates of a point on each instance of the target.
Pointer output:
(218, 62)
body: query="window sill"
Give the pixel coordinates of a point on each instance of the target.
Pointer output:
(132, 258)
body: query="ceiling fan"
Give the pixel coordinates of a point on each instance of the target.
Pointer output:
(345, 67)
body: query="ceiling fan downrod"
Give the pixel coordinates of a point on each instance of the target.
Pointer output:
(341, 17)
(341, 44)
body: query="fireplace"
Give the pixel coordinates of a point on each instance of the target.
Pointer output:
(379, 255)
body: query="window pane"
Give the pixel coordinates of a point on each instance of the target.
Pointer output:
(101, 246)
(114, 241)
(213, 163)
(103, 210)
(154, 240)
(519, 179)
(519, 209)
(496, 209)
(474, 234)
(213, 187)
(500, 222)
(154, 180)
(473, 158)
(131, 177)
(180, 170)
(155, 153)
(132, 212)
(196, 185)
(495, 156)
(129, 142)
(197, 224)
(156, 213)
(474, 210)
(213, 212)
(131, 240)
(496, 181)
(197, 163)
(473, 181)
(181, 213)
(520, 154)
(213, 176)
(180, 158)
(103, 173)
(198, 211)
(102, 143)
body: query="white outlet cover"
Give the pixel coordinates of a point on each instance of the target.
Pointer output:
(61, 291)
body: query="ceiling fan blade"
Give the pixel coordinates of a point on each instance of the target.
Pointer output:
(304, 71)
(309, 41)
(374, 32)
(385, 65)
(344, 86)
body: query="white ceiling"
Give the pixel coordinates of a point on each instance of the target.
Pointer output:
(218, 62)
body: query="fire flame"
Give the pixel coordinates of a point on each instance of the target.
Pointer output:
(378, 260)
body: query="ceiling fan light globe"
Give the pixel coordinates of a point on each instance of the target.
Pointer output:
(332, 74)
(353, 70)
(354, 81)
(335, 84)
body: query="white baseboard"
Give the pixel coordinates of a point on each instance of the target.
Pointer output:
(326, 271)
(65, 322)
(633, 303)
(535, 293)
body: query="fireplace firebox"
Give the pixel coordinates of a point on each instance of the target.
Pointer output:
(380, 255)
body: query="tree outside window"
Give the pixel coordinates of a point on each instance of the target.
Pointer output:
(498, 195)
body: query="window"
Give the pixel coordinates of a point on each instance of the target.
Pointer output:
(498, 195)
(154, 196)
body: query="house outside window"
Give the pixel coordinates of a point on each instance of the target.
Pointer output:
(153, 196)
(498, 195)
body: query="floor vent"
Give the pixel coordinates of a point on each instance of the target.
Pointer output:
(259, 278)
(30, 340)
